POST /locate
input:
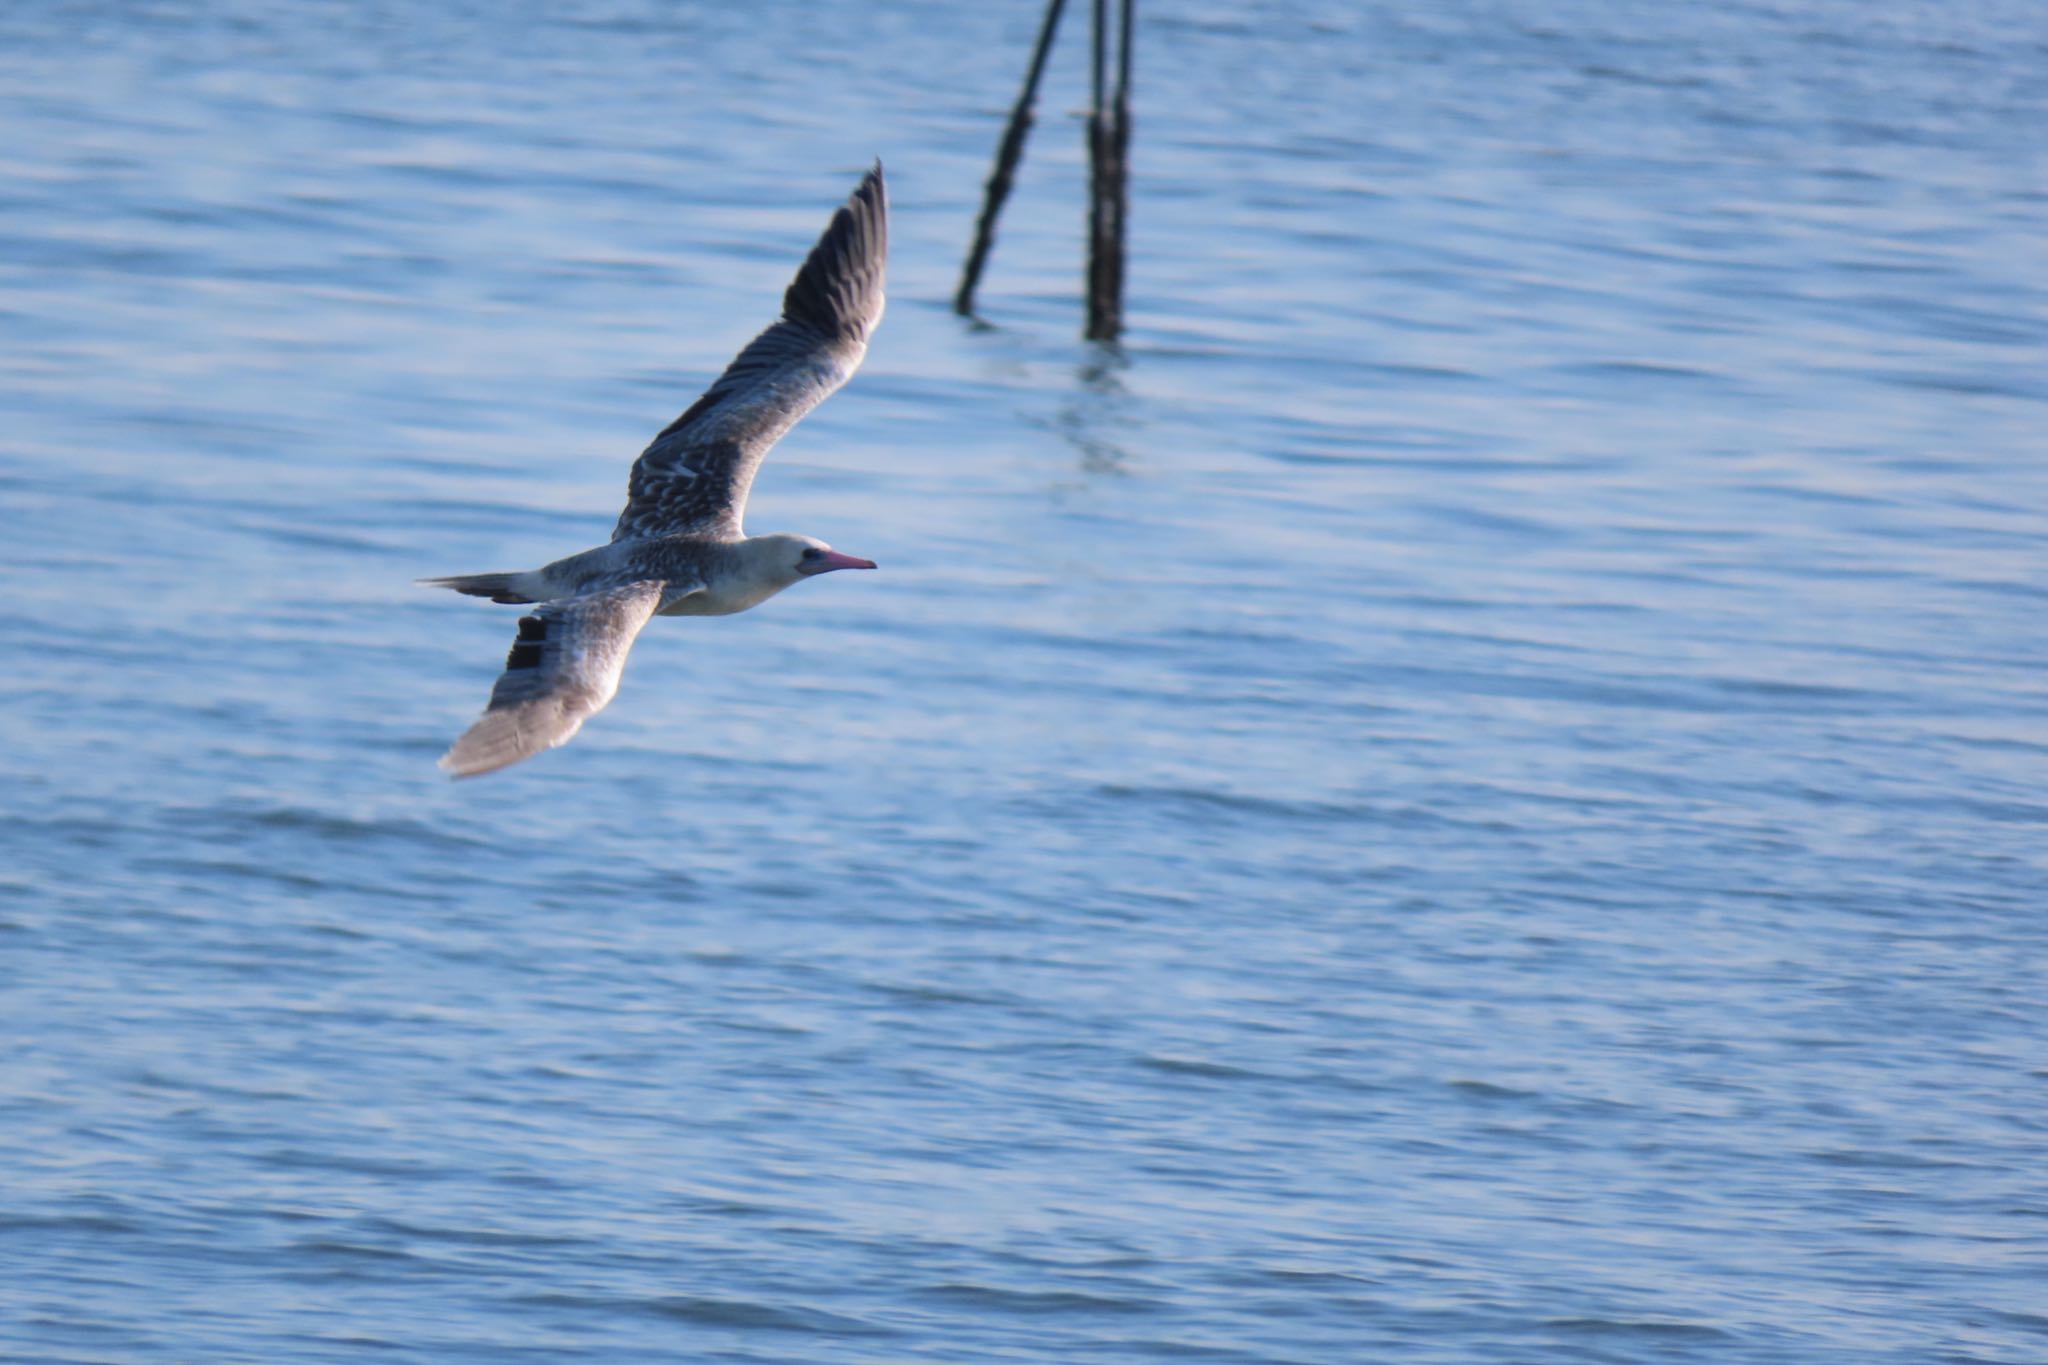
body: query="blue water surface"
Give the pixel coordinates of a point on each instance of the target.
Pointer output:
(1476, 792)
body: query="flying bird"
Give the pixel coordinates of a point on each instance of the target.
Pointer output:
(680, 548)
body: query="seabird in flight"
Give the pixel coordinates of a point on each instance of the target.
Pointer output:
(679, 548)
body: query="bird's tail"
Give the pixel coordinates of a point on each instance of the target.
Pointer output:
(499, 587)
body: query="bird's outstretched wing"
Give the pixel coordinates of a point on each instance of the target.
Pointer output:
(695, 475)
(564, 666)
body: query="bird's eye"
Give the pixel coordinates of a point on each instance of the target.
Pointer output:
(811, 553)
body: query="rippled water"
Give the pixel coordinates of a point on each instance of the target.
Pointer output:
(1475, 794)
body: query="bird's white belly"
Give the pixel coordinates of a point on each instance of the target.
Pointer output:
(720, 601)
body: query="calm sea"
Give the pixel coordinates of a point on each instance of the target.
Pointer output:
(1476, 793)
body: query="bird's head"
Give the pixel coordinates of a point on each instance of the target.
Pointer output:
(803, 557)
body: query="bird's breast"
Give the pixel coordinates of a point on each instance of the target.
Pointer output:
(722, 599)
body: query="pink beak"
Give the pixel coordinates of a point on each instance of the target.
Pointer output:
(832, 559)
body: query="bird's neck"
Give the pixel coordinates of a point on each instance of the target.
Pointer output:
(755, 570)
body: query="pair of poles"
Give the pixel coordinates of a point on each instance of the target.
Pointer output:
(1109, 143)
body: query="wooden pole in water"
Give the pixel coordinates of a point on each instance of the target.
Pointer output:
(1101, 310)
(1109, 141)
(1109, 149)
(1008, 154)
(1123, 145)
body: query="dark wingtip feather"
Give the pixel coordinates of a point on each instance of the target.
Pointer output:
(839, 289)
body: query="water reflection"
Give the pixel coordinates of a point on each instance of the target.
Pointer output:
(1099, 409)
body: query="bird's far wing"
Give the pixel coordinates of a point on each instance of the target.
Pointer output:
(564, 667)
(696, 473)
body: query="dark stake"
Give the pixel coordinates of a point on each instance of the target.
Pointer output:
(1007, 156)
(1109, 141)
(1109, 148)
